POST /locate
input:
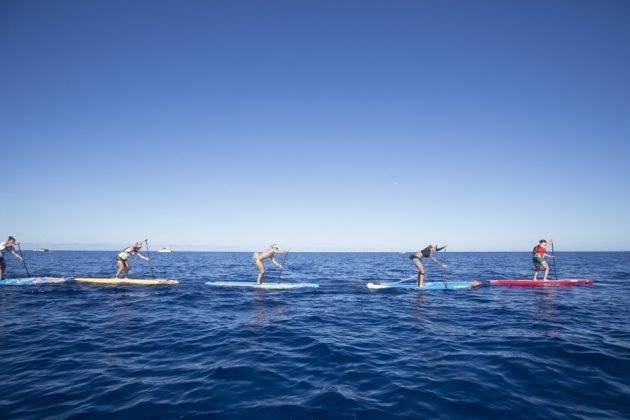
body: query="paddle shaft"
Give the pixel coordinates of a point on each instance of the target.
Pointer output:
(146, 241)
(445, 265)
(553, 254)
(445, 273)
(23, 261)
(283, 261)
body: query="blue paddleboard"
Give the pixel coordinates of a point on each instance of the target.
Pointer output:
(453, 285)
(32, 280)
(261, 286)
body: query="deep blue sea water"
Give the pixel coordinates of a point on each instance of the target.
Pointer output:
(341, 351)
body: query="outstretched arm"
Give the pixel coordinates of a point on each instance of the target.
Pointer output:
(18, 256)
(142, 256)
(276, 263)
(437, 262)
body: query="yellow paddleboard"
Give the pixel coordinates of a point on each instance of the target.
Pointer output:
(126, 281)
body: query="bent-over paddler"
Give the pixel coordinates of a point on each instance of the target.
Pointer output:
(269, 253)
(425, 253)
(123, 256)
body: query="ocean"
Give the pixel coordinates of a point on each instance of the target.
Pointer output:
(75, 350)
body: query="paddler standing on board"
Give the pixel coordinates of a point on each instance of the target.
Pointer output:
(540, 252)
(4, 248)
(270, 253)
(425, 253)
(121, 258)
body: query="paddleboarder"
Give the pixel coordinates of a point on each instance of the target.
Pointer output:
(539, 254)
(4, 248)
(270, 253)
(425, 253)
(121, 258)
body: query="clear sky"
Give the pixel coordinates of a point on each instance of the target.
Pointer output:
(320, 125)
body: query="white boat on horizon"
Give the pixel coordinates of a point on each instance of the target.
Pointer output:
(164, 250)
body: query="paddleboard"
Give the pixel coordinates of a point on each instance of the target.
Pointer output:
(453, 285)
(564, 282)
(33, 280)
(262, 286)
(126, 281)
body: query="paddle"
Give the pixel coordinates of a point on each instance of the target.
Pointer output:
(146, 241)
(445, 272)
(283, 261)
(23, 261)
(553, 255)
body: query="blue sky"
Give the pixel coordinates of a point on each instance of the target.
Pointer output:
(320, 125)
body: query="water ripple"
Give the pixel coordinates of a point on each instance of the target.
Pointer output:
(342, 351)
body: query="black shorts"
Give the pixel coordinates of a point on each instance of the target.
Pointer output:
(123, 261)
(3, 264)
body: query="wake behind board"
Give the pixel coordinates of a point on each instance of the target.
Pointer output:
(262, 286)
(126, 281)
(454, 285)
(32, 280)
(564, 282)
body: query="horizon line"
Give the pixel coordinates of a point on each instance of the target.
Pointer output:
(39, 249)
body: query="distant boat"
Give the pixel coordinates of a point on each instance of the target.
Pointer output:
(164, 250)
(41, 249)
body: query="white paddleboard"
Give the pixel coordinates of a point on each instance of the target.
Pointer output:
(32, 280)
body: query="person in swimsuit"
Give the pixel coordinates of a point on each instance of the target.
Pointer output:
(539, 254)
(425, 253)
(270, 253)
(4, 248)
(121, 258)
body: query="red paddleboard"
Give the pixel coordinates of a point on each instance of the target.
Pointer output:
(565, 282)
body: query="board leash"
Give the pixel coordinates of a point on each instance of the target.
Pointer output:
(146, 241)
(23, 260)
(404, 280)
(553, 254)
